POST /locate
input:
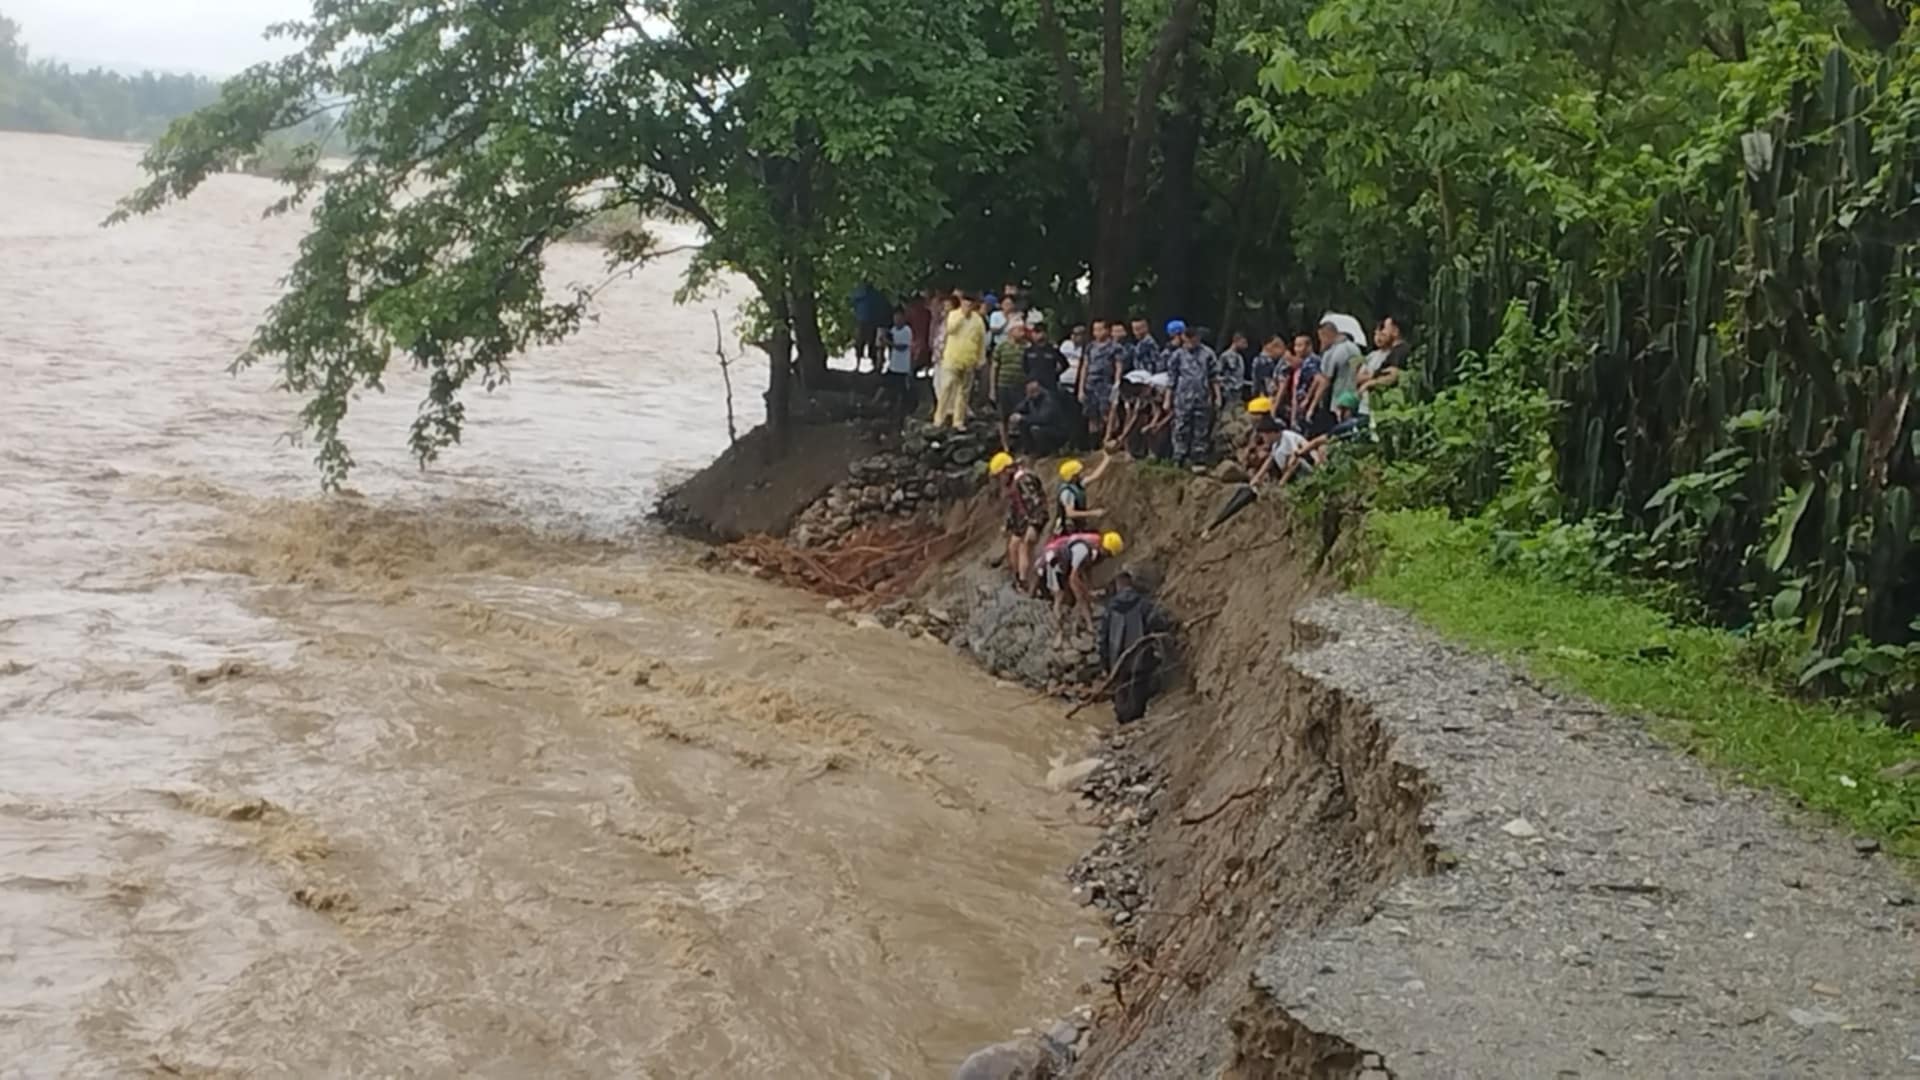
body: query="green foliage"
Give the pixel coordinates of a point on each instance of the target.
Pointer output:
(1633, 657)
(1483, 438)
(45, 96)
(802, 139)
(1729, 428)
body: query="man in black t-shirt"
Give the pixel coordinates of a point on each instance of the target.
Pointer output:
(1042, 359)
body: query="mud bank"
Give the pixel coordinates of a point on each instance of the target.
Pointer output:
(1337, 847)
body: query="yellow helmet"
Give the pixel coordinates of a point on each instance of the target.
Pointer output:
(1070, 468)
(999, 463)
(1260, 406)
(1112, 542)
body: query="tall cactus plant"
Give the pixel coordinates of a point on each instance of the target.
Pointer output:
(1773, 324)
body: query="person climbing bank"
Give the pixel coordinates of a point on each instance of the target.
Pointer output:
(1070, 510)
(1130, 627)
(1026, 499)
(1064, 565)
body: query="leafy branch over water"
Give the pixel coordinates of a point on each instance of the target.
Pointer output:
(484, 133)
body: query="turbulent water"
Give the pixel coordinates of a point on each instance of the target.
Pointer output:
(462, 772)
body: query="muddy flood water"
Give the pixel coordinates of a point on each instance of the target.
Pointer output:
(463, 772)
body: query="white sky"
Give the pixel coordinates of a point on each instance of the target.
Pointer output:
(213, 37)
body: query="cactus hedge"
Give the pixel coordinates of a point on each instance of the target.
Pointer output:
(1771, 330)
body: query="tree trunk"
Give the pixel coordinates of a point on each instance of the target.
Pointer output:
(1111, 286)
(1179, 152)
(804, 302)
(1119, 138)
(1173, 266)
(1251, 166)
(780, 372)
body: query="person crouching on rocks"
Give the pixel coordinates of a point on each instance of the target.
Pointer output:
(1026, 499)
(1070, 510)
(1287, 451)
(1250, 453)
(1128, 629)
(1064, 565)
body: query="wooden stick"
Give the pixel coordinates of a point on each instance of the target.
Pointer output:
(1119, 666)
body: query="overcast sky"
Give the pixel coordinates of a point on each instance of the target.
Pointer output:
(214, 37)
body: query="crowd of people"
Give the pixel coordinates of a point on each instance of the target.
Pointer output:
(1112, 385)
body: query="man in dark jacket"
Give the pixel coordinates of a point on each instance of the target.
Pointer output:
(1127, 648)
(873, 315)
(1039, 427)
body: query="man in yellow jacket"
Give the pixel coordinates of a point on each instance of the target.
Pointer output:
(960, 356)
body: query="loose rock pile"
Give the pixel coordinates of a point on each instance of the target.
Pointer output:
(1013, 636)
(1031, 1055)
(913, 620)
(930, 465)
(1109, 876)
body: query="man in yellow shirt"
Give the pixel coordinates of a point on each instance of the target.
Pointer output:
(965, 344)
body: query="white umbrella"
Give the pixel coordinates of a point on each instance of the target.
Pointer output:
(1347, 325)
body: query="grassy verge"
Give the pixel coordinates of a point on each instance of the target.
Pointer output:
(1631, 657)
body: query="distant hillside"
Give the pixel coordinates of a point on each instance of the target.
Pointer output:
(46, 96)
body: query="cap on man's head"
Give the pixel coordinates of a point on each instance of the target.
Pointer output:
(1176, 327)
(989, 299)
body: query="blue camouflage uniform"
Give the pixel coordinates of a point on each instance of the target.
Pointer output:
(1194, 371)
(1148, 356)
(1102, 361)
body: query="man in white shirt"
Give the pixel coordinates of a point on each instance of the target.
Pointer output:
(897, 381)
(1287, 451)
(1075, 350)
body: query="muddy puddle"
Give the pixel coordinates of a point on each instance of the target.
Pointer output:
(463, 772)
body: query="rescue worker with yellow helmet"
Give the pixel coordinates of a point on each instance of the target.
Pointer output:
(1026, 497)
(1070, 509)
(1064, 565)
(1260, 409)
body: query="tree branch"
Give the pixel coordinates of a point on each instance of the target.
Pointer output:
(1883, 22)
(1173, 37)
(1063, 68)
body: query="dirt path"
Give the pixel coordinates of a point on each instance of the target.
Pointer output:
(1600, 906)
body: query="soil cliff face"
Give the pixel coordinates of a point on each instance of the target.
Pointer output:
(1252, 801)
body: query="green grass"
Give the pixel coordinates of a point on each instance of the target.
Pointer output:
(1155, 468)
(1827, 755)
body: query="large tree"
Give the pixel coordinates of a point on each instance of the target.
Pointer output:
(1117, 122)
(802, 141)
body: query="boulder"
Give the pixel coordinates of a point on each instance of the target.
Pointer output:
(1026, 1058)
(1230, 472)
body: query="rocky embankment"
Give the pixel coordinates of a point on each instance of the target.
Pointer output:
(925, 469)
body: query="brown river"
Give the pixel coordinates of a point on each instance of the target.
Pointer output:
(464, 772)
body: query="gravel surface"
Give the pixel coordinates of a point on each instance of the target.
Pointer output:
(1608, 907)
